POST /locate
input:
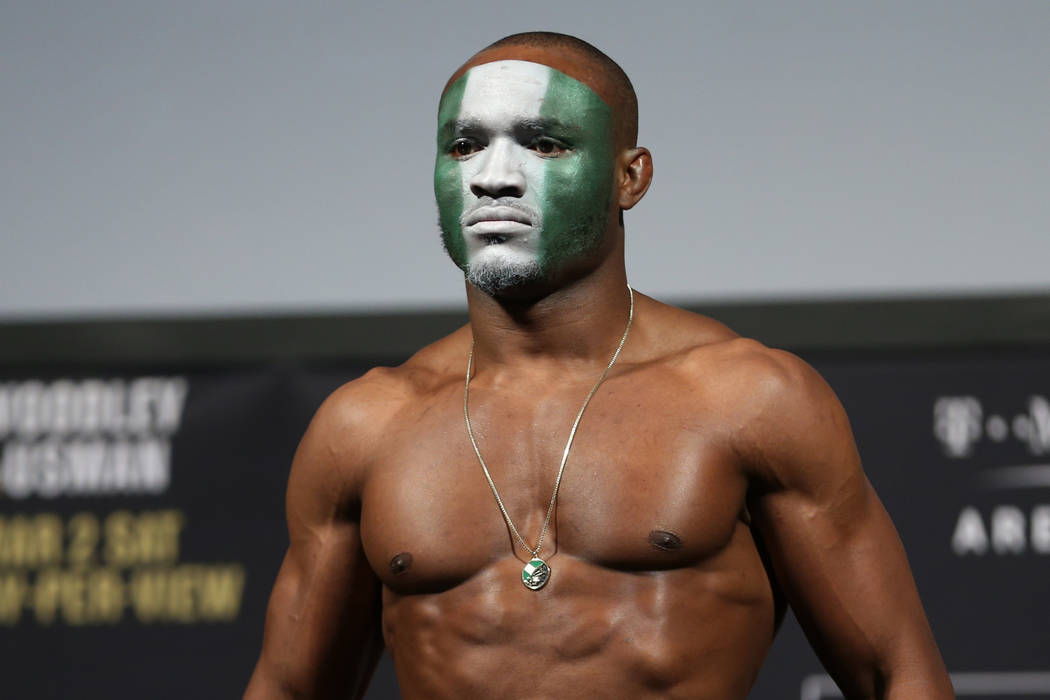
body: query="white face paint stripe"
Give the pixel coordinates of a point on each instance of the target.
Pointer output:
(499, 94)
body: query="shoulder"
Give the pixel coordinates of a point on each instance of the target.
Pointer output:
(787, 425)
(352, 426)
(759, 387)
(363, 406)
(378, 396)
(775, 410)
(772, 377)
(706, 350)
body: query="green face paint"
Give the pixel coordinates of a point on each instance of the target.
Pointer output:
(448, 185)
(524, 172)
(577, 189)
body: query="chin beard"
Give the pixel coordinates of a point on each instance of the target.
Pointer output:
(501, 277)
(496, 277)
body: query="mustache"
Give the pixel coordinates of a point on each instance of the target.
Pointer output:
(488, 209)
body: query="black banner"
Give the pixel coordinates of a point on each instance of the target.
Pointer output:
(958, 447)
(142, 521)
(142, 525)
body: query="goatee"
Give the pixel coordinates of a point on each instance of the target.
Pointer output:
(495, 277)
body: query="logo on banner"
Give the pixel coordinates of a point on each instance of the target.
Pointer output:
(961, 425)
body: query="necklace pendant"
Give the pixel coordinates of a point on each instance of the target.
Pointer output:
(535, 574)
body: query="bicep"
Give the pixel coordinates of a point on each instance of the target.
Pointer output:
(846, 576)
(832, 544)
(322, 634)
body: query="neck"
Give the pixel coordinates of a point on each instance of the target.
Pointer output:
(580, 321)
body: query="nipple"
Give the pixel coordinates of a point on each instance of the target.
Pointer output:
(665, 541)
(401, 563)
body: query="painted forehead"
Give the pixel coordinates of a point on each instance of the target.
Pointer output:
(515, 87)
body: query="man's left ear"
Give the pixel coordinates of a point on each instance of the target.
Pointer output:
(637, 168)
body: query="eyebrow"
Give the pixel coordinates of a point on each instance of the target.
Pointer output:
(459, 126)
(545, 124)
(530, 125)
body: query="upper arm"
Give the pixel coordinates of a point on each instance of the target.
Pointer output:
(322, 635)
(831, 543)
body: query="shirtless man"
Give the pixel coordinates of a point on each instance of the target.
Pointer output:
(711, 479)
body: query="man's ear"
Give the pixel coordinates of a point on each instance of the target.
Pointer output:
(636, 164)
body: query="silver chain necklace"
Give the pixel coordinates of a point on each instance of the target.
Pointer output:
(537, 572)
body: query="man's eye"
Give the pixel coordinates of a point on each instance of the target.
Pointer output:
(462, 148)
(547, 146)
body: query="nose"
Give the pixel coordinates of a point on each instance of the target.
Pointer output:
(499, 172)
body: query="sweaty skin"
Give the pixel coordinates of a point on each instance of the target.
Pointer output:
(711, 482)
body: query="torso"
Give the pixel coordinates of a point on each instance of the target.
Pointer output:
(657, 589)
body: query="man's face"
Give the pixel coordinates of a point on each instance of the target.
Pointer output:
(524, 173)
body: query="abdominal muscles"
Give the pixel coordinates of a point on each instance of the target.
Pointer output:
(593, 632)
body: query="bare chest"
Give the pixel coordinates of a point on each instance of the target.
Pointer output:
(649, 484)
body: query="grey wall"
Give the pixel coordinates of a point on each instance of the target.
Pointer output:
(218, 156)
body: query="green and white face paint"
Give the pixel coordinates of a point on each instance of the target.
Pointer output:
(524, 172)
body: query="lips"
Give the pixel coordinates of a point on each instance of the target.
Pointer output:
(497, 214)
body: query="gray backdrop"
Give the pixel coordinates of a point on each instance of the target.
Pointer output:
(214, 156)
